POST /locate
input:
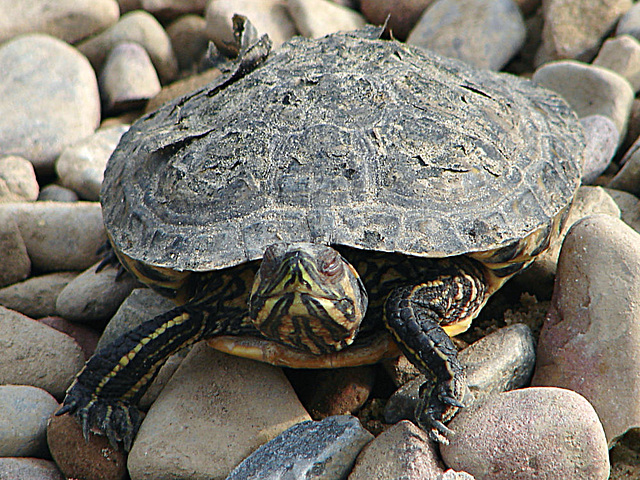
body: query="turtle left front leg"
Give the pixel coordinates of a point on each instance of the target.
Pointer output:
(420, 318)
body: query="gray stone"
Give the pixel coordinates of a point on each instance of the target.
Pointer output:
(218, 408)
(36, 296)
(17, 180)
(622, 55)
(81, 165)
(629, 23)
(24, 412)
(29, 469)
(602, 142)
(93, 297)
(138, 27)
(15, 263)
(189, 39)
(402, 14)
(317, 18)
(588, 342)
(49, 97)
(590, 90)
(68, 20)
(402, 451)
(570, 33)
(629, 206)
(628, 177)
(484, 33)
(32, 353)
(57, 193)
(312, 450)
(128, 78)
(529, 433)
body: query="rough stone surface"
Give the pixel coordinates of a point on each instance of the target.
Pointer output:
(68, 20)
(81, 165)
(588, 343)
(15, 263)
(590, 90)
(622, 55)
(529, 433)
(17, 180)
(29, 469)
(217, 407)
(404, 451)
(138, 27)
(403, 14)
(317, 18)
(602, 138)
(49, 98)
(34, 354)
(312, 450)
(128, 78)
(24, 412)
(36, 296)
(96, 459)
(484, 33)
(182, 87)
(59, 236)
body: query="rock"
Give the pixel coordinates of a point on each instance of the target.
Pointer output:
(403, 14)
(622, 55)
(182, 87)
(217, 407)
(329, 392)
(173, 8)
(59, 236)
(602, 141)
(402, 451)
(628, 178)
(629, 206)
(453, 475)
(36, 296)
(49, 98)
(189, 39)
(29, 469)
(56, 193)
(128, 79)
(529, 433)
(629, 23)
(587, 343)
(137, 27)
(501, 361)
(95, 459)
(570, 35)
(484, 33)
(37, 355)
(85, 337)
(311, 450)
(590, 90)
(68, 20)
(94, 297)
(81, 165)
(267, 16)
(317, 18)
(15, 263)
(24, 412)
(17, 180)
(633, 127)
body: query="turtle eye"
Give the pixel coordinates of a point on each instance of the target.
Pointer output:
(332, 265)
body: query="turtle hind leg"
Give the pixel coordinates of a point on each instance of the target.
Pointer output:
(419, 317)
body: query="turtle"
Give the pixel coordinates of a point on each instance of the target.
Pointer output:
(332, 203)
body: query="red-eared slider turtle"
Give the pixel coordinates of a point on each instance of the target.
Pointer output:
(322, 194)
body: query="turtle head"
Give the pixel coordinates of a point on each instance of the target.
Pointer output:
(308, 297)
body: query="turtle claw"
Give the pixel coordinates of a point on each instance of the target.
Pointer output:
(437, 405)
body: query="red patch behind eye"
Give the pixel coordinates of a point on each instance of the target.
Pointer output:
(332, 265)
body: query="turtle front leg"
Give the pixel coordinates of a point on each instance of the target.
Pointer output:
(420, 318)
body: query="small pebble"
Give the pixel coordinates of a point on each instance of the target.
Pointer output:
(128, 78)
(208, 401)
(29, 469)
(602, 138)
(323, 450)
(629, 23)
(138, 27)
(402, 451)
(37, 355)
(317, 18)
(453, 475)
(567, 35)
(629, 206)
(402, 14)
(173, 8)
(85, 337)
(182, 87)
(36, 296)
(590, 90)
(628, 178)
(622, 55)
(189, 40)
(529, 433)
(57, 193)
(59, 236)
(585, 344)
(484, 33)
(81, 165)
(633, 128)
(15, 264)
(24, 412)
(49, 98)
(17, 180)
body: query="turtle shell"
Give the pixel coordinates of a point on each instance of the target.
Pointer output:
(347, 140)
